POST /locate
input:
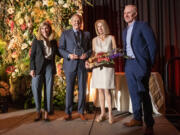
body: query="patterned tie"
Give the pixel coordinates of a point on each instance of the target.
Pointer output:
(77, 35)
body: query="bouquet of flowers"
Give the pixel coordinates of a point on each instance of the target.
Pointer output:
(105, 58)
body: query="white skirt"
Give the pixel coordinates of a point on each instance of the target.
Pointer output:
(103, 78)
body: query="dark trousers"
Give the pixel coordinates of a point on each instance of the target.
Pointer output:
(70, 81)
(138, 85)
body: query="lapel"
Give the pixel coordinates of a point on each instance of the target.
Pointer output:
(73, 36)
(81, 37)
(124, 36)
(41, 44)
(133, 31)
(74, 39)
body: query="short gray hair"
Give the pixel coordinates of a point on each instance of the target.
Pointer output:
(79, 16)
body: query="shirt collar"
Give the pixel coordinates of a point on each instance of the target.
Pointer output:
(75, 30)
(132, 24)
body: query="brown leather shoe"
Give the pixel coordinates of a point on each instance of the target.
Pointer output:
(38, 116)
(82, 117)
(68, 117)
(149, 131)
(133, 123)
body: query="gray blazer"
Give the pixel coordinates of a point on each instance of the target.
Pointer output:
(67, 45)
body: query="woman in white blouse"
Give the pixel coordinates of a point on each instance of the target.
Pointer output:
(42, 66)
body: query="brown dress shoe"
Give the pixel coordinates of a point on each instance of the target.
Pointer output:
(38, 116)
(82, 117)
(149, 131)
(68, 117)
(133, 123)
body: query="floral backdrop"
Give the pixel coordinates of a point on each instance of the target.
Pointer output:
(19, 22)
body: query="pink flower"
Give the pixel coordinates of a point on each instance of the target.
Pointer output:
(30, 52)
(23, 26)
(12, 25)
(14, 55)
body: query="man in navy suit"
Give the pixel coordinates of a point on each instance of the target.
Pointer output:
(75, 47)
(140, 46)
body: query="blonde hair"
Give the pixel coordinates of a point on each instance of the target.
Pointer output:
(40, 36)
(105, 26)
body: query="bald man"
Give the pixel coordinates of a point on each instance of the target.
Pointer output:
(140, 46)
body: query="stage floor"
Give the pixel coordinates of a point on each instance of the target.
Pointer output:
(21, 123)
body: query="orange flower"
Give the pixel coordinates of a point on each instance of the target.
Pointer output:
(59, 69)
(3, 92)
(4, 85)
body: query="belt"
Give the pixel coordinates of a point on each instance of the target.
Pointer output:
(130, 58)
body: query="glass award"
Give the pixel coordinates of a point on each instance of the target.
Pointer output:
(78, 51)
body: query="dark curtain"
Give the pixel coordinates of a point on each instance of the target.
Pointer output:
(162, 16)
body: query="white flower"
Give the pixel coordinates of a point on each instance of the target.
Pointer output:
(13, 74)
(66, 5)
(24, 46)
(52, 10)
(25, 35)
(29, 24)
(30, 42)
(20, 21)
(10, 10)
(69, 1)
(18, 15)
(11, 44)
(45, 2)
(61, 2)
(32, 13)
(38, 4)
(27, 18)
(16, 70)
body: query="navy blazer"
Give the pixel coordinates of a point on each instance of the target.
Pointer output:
(67, 44)
(37, 55)
(143, 45)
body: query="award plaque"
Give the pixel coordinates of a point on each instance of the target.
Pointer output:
(78, 51)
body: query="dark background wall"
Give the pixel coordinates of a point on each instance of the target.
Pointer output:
(177, 14)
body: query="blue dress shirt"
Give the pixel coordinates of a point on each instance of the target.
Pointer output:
(129, 50)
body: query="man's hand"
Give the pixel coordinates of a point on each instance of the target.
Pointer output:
(83, 56)
(73, 56)
(32, 73)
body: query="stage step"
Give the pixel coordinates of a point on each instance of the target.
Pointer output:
(21, 123)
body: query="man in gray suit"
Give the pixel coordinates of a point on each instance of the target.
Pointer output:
(75, 47)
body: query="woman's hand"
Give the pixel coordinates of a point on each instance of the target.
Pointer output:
(32, 73)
